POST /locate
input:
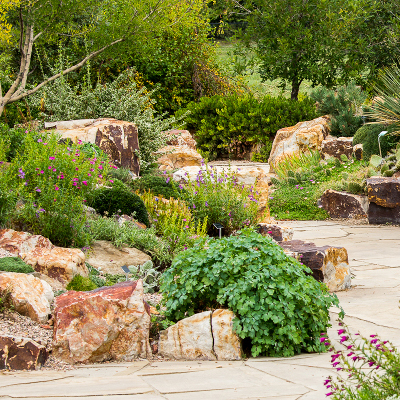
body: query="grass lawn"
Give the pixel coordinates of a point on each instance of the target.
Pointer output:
(253, 79)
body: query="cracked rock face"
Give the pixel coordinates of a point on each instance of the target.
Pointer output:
(21, 353)
(29, 295)
(335, 147)
(344, 205)
(277, 232)
(59, 264)
(328, 264)
(109, 323)
(203, 336)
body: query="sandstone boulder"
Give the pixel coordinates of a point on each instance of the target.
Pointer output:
(60, 264)
(22, 242)
(57, 263)
(177, 137)
(118, 139)
(109, 259)
(21, 353)
(174, 157)
(358, 151)
(335, 147)
(203, 336)
(298, 139)
(109, 323)
(328, 264)
(384, 192)
(383, 215)
(344, 205)
(277, 232)
(29, 295)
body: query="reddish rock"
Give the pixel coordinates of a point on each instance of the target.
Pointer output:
(344, 205)
(109, 323)
(277, 232)
(383, 215)
(384, 192)
(22, 242)
(118, 139)
(335, 147)
(58, 264)
(328, 264)
(21, 353)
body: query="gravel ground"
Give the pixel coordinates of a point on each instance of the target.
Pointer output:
(153, 298)
(17, 325)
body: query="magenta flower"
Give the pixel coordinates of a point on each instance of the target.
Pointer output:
(343, 339)
(111, 181)
(84, 183)
(42, 172)
(52, 158)
(76, 169)
(100, 167)
(322, 339)
(56, 188)
(89, 174)
(373, 341)
(37, 189)
(40, 140)
(341, 331)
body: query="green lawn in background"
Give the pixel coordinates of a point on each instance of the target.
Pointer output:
(224, 48)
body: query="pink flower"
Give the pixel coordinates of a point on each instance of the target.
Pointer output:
(52, 158)
(76, 169)
(341, 331)
(100, 167)
(56, 188)
(73, 160)
(84, 183)
(100, 176)
(111, 181)
(54, 170)
(42, 172)
(89, 174)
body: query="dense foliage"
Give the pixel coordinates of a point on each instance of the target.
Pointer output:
(51, 181)
(159, 186)
(81, 284)
(344, 107)
(118, 200)
(278, 304)
(231, 125)
(15, 264)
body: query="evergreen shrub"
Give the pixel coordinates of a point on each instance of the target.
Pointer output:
(225, 125)
(81, 284)
(279, 306)
(159, 186)
(118, 199)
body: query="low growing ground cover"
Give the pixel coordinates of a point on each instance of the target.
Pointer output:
(295, 194)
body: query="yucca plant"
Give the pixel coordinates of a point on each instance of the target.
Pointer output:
(386, 106)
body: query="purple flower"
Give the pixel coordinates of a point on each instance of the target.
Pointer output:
(194, 206)
(21, 173)
(37, 189)
(40, 140)
(206, 204)
(373, 341)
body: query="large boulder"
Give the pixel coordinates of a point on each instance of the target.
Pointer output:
(174, 157)
(30, 296)
(119, 139)
(180, 137)
(335, 147)
(109, 323)
(58, 264)
(300, 138)
(204, 336)
(328, 264)
(105, 256)
(21, 353)
(384, 198)
(344, 205)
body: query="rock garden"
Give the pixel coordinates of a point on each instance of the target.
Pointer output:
(162, 217)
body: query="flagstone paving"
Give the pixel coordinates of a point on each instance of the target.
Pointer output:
(371, 306)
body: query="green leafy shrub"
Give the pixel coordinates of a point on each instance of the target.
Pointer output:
(15, 264)
(229, 125)
(81, 283)
(344, 106)
(128, 234)
(278, 304)
(14, 139)
(148, 274)
(51, 180)
(120, 99)
(118, 200)
(218, 197)
(122, 174)
(367, 135)
(162, 186)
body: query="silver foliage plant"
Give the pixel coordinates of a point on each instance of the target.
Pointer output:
(120, 99)
(148, 274)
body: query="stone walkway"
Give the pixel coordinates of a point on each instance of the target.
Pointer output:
(372, 306)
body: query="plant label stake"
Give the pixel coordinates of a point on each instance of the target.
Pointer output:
(383, 133)
(126, 270)
(219, 227)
